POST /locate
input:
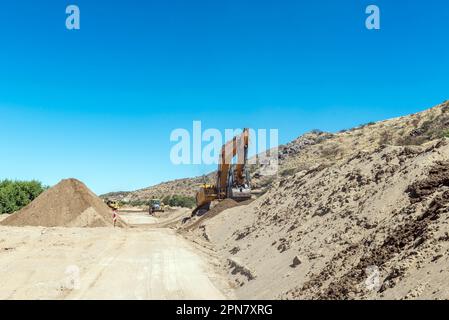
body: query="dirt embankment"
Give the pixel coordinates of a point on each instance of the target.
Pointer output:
(68, 204)
(376, 225)
(216, 209)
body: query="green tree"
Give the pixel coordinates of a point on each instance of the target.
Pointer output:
(166, 199)
(181, 201)
(14, 195)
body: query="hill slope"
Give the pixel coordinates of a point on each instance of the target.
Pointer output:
(183, 187)
(362, 214)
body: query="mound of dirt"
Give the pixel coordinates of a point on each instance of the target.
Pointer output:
(373, 226)
(68, 204)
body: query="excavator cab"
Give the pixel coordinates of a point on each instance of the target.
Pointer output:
(112, 204)
(206, 194)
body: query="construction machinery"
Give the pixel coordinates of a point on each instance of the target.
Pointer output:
(114, 205)
(156, 205)
(233, 180)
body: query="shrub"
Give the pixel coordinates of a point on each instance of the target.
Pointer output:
(445, 134)
(14, 195)
(445, 107)
(367, 125)
(288, 172)
(181, 201)
(410, 141)
(166, 199)
(330, 150)
(138, 203)
(385, 138)
(427, 125)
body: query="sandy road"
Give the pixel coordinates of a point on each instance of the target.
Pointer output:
(138, 218)
(166, 219)
(103, 263)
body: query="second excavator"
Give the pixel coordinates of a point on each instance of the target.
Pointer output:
(233, 179)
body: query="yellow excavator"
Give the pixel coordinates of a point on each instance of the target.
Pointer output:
(233, 180)
(114, 205)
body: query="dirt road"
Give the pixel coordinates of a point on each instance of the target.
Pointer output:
(104, 263)
(159, 220)
(138, 218)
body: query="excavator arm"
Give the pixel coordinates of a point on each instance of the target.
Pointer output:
(238, 146)
(232, 179)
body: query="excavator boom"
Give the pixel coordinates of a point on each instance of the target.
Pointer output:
(232, 179)
(238, 146)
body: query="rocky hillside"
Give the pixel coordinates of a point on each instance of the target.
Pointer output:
(183, 187)
(360, 214)
(327, 149)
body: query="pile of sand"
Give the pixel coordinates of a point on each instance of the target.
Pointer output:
(216, 209)
(374, 226)
(68, 204)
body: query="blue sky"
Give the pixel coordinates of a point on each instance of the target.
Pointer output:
(99, 103)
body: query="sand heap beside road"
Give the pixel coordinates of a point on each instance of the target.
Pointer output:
(68, 204)
(216, 209)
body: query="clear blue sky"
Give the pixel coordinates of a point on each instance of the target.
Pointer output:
(99, 104)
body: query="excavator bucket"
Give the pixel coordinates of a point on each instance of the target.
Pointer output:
(241, 193)
(200, 210)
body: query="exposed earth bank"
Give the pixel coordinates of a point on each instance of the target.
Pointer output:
(373, 226)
